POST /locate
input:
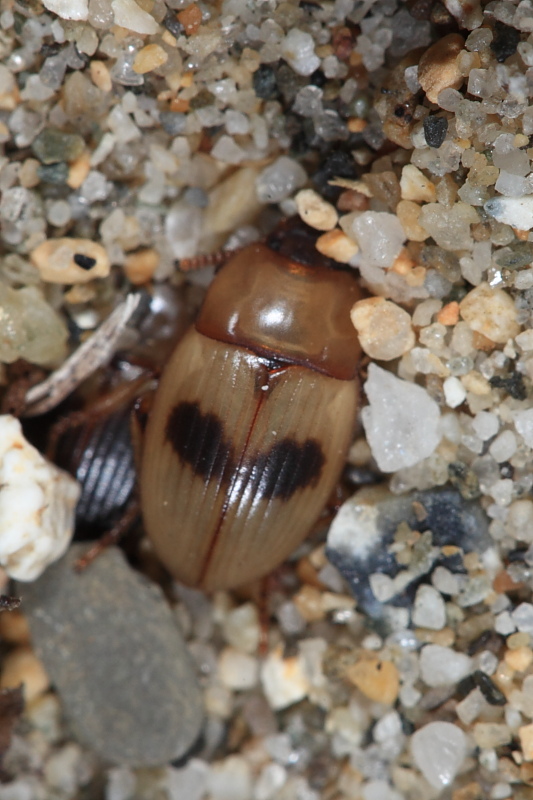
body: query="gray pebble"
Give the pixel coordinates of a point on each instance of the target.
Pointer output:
(112, 648)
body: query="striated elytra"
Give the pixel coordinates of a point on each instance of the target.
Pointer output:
(253, 415)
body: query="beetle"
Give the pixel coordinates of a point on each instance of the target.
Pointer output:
(253, 415)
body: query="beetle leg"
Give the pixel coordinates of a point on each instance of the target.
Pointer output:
(120, 396)
(111, 537)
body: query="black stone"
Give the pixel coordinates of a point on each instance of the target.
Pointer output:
(505, 41)
(513, 384)
(265, 83)
(337, 164)
(85, 262)
(435, 130)
(172, 24)
(488, 689)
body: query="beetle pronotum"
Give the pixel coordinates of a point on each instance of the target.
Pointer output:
(253, 415)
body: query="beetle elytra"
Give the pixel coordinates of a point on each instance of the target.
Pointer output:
(254, 414)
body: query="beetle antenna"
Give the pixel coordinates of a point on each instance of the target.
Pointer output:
(215, 259)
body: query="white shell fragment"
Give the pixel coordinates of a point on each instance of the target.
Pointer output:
(515, 211)
(37, 504)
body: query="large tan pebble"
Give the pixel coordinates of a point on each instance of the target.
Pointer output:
(70, 260)
(376, 679)
(315, 211)
(336, 245)
(438, 67)
(384, 328)
(415, 186)
(490, 312)
(21, 666)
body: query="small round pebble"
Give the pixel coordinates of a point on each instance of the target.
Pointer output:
(140, 266)
(298, 49)
(315, 211)
(439, 749)
(376, 678)
(442, 666)
(279, 180)
(429, 610)
(112, 649)
(238, 670)
(490, 312)
(435, 129)
(336, 245)
(149, 58)
(70, 260)
(384, 328)
(283, 679)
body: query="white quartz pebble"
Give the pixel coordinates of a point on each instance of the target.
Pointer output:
(132, 17)
(68, 9)
(284, 680)
(379, 235)
(439, 749)
(523, 422)
(298, 49)
(279, 180)
(37, 506)
(442, 666)
(237, 670)
(429, 610)
(454, 392)
(514, 211)
(401, 420)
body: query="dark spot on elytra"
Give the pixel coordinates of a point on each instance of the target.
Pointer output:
(198, 439)
(85, 262)
(285, 468)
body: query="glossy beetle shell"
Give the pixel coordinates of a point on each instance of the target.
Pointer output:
(252, 418)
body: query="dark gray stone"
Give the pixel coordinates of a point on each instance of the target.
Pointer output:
(362, 546)
(113, 651)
